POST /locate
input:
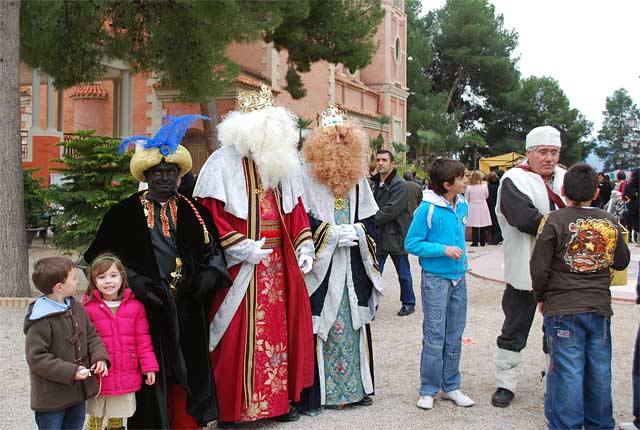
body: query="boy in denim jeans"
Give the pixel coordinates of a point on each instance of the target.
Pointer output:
(570, 268)
(436, 235)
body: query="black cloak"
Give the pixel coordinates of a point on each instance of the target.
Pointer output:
(179, 325)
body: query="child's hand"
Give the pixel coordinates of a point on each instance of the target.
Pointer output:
(82, 373)
(100, 368)
(151, 378)
(453, 252)
(541, 307)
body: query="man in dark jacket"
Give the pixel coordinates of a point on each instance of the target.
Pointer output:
(392, 221)
(169, 246)
(415, 191)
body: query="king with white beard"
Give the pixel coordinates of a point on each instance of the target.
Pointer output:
(261, 333)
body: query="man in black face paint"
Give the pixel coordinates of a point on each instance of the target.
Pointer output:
(169, 246)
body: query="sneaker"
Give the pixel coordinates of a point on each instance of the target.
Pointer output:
(502, 398)
(406, 310)
(628, 426)
(459, 397)
(425, 402)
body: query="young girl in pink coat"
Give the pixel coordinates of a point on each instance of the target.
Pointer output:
(122, 324)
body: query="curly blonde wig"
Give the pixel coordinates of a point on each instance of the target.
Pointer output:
(338, 155)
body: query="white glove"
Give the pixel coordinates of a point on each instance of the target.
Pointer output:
(258, 253)
(348, 235)
(306, 263)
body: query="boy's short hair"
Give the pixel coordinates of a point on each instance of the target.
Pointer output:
(50, 271)
(580, 183)
(443, 170)
(385, 151)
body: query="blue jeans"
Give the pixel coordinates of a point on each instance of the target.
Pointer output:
(445, 315)
(579, 379)
(401, 263)
(71, 418)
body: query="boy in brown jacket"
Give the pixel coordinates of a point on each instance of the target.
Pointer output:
(62, 348)
(570, 268)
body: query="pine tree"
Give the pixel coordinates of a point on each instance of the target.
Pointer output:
(538, 101)
(620, 118)
(94, 178)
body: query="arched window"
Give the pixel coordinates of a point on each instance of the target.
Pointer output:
(195, 143)
(397, 48)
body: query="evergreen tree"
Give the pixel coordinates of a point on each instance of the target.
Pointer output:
(185, 42)
(621, 117)
(473, 61)
(460, 66)
(535, 102)
(336, 31)
(94, 178)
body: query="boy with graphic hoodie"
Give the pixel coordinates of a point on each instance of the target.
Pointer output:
(436, 235)
(62, 347)
(570, 268)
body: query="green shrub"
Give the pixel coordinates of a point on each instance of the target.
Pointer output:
(33, 197)
(94, 179)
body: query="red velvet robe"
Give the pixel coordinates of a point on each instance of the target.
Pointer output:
(227, 357)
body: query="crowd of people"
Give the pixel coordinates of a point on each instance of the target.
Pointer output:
(250, 294)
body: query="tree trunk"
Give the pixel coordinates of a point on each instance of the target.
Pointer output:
(210, 131)
(13, 237)
(452, 91)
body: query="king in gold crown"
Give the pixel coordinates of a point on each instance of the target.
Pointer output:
(333, 116)
(254, 100)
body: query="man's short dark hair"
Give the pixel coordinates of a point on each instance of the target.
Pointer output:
(407, 175)
(621, 176)
(384, 151)
(580, 183)
(441, 171)
(50, 271)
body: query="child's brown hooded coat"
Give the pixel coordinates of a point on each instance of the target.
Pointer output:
(56, 345)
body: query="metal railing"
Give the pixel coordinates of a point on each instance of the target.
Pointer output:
(24, 144)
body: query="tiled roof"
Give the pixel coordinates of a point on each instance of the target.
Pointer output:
(90, 91)
(358, 111)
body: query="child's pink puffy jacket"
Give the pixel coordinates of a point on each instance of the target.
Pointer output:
(126, 336)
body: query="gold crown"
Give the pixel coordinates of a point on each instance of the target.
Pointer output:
(254, 100)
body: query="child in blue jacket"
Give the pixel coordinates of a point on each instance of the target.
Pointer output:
(436, 235)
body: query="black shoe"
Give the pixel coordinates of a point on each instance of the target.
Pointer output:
(502, 398)
(406, 310)
(225, 425)
(474, 244)
(366, 401)
(292, 416)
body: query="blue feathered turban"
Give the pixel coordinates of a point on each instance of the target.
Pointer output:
(164, 146)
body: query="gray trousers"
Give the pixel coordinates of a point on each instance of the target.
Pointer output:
(519, 307)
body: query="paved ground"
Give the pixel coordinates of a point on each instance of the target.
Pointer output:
(397, 343)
